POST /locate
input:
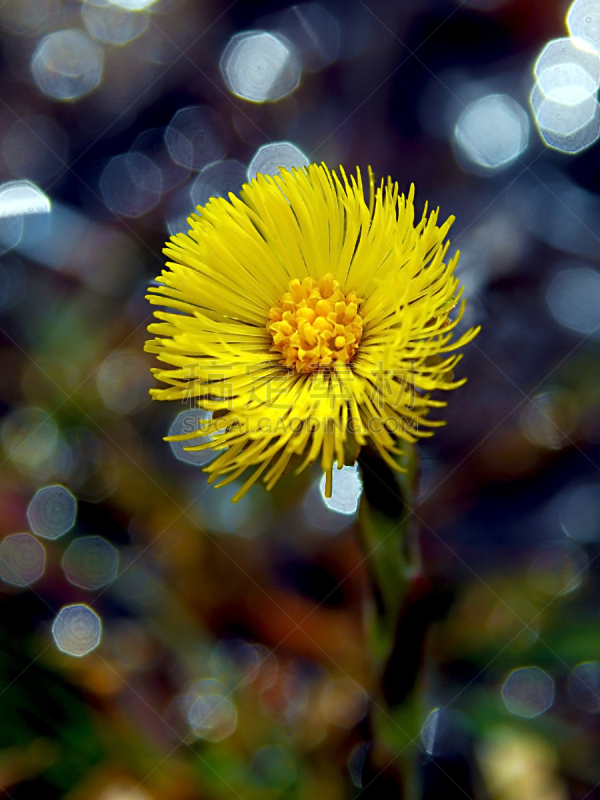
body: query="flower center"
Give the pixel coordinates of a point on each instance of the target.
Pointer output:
(315, 324)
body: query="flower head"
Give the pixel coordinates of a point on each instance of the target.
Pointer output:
(309, 321)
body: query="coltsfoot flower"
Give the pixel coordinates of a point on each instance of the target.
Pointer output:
(309, 321)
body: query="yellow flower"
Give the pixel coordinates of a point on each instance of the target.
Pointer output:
(309, 321)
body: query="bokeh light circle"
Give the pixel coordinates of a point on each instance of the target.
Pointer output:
(492, 132)
(218, 180)
(573, 298)
(131, 184)
(211, 715)
(346, 490)
(260, 66)
(270, 157)
(567, 72)
(51, 512)
(67, 65)
(583, 22)
(77, 630)
(22, 197)
(90, 562)
(22, 559)
(528, 692)
(194, 137)
(134, 5)
(187, 422)
(110, 23)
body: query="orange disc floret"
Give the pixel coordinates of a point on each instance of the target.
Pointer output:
(315, 324)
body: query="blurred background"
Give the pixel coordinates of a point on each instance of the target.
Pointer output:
(158, 641)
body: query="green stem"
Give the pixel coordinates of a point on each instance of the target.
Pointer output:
(392, 559)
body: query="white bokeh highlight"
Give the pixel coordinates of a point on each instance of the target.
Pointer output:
(583, 22)
(67, 65)
(429, 730)
(566, 72)
(22, 559)
(51, 512)
(568, 127)
(345, 491)
(187, 422)
(134, 5)
(492, 132)
(112, 24)
(77, 630)
(270, 157)
(563, 119)
(20, 198)
(259, 66)
(563, 99)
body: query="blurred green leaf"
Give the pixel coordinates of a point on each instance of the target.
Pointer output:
(36, 702)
